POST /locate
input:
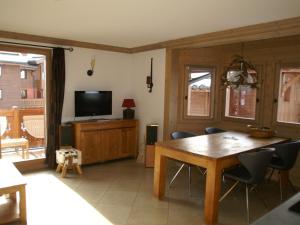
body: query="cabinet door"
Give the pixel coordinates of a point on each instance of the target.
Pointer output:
(111, 143)
(129, 142)
(89, 146)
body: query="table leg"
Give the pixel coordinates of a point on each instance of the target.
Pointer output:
(23, 151)
(159, 173)
(23, 216)
(27, 151)
(13, 196)
(212, 193)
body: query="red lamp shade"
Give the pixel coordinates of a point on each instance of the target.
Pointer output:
(128, 103)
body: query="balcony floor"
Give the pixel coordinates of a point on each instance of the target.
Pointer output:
(15, 155)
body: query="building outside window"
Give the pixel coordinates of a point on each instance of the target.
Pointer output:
(288, 109)
(198, 93)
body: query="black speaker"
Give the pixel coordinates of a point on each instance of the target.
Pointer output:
(151, 134)
(66, 135)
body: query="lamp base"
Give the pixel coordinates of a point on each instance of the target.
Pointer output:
(128, 114)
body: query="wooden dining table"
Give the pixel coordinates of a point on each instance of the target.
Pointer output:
(215, 152)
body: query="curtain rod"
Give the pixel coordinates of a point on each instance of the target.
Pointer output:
(42, 46)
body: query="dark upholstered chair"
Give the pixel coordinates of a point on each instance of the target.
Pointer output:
(284, 159)
(179, 135)
(251, 172)
(213, 130)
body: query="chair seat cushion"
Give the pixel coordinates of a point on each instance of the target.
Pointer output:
(239, 173)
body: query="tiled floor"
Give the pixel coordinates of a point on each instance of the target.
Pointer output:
(121, 193)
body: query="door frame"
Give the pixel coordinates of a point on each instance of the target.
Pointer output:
(37, 163)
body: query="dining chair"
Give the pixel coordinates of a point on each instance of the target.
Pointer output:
(180, 135)
(213, 130)
(284, 159)
(4, 125)
(251, 172)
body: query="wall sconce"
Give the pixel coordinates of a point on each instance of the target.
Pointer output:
(91, 71)
(149, 78)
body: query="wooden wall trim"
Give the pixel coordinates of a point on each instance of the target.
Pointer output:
(59, 41)
(280, 28)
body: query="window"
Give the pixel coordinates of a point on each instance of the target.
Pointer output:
(241, 102)
(23, 74)
(23, 93)
(288, 110)
(198, 91)
(1, 97)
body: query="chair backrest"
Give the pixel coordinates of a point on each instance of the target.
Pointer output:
(287, 152)
(182, 134)
(35, 125)
(213, 130)
(3, 125)
(256, 164)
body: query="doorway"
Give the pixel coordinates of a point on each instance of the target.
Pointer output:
(23, 88)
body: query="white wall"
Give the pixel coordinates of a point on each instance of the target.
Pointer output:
(112, 72)
(123, 74)
(149, 106)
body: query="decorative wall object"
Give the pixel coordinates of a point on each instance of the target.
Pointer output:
(149, 78)
(91, 71)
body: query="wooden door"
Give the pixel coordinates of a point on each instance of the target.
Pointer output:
(129, 142)
(89, 146)
(111, 144)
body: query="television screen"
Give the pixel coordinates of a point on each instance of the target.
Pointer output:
(93, 103)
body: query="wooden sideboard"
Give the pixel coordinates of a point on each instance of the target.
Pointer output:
(104, 140)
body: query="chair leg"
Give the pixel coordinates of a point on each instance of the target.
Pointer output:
(202, 171)
(190, 180)
(280, 186)
(247, 204)
(230, 189)
(181, 167)
(272, 171)
(293, 187)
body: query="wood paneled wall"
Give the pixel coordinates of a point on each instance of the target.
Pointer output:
(267, 55)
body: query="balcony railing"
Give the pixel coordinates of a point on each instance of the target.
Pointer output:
(27, 123)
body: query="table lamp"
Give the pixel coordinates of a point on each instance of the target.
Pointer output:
(128, 113)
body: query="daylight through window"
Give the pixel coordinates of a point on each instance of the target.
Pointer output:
(199, 92)
(289, 96)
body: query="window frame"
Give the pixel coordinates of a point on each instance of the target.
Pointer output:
(184, 103)
(259, 100)
(278, 67)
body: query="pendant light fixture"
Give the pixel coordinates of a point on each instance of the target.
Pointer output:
(240, 72)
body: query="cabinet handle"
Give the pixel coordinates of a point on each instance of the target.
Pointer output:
(275, 100)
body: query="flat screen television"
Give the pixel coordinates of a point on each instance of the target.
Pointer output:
(93, 103)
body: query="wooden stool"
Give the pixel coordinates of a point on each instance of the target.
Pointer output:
(68, 159)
